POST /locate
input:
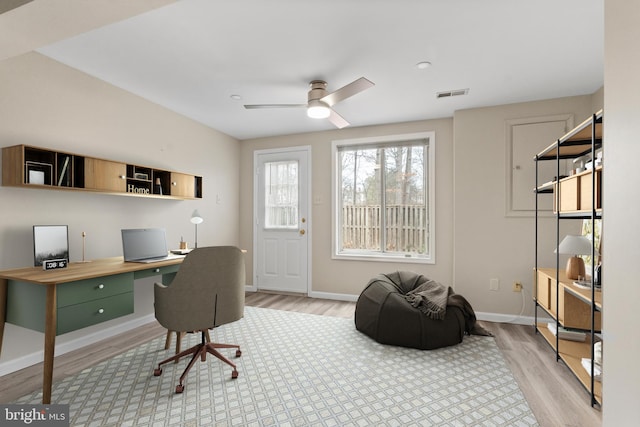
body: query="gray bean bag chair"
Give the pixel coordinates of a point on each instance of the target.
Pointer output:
(384, 313)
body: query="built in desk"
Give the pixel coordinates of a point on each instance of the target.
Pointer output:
(60, 301)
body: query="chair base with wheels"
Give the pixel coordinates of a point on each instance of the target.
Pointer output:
(200, 350)
(179, 336)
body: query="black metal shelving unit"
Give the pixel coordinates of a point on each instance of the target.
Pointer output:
(584, 140)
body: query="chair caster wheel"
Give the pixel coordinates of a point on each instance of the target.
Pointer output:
(157, 372)
(238, 353)
(234, 375)
(179, 388)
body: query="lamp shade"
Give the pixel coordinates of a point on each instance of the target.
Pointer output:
(196, 218)
(576, 245)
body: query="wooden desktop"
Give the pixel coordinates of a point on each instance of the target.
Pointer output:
(60, 301)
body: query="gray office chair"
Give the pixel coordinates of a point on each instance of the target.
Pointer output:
(207, 291)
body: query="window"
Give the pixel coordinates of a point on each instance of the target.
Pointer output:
(383, 196)
(281, 194)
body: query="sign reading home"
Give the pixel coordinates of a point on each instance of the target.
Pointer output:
(34, 415)
(138, 190)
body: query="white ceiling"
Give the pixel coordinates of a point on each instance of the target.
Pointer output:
(192, 55)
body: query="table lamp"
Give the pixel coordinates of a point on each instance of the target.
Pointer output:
(196, 219)
(84, 235)
(575, 245)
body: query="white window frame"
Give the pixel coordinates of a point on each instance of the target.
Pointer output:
(430, 257)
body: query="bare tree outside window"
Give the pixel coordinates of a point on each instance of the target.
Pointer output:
(383, 201)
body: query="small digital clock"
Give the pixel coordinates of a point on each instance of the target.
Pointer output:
(52, 264)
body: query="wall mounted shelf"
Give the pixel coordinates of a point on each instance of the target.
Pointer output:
(34, 167)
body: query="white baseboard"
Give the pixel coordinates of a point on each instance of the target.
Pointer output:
(337, 297)
(489, 317)
(318, 295)
(506, 318)
(62, 348)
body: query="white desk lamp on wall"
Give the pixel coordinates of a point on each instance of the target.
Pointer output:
(196, 219)
(576, 245)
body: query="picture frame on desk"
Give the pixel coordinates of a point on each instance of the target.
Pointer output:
(50, 242)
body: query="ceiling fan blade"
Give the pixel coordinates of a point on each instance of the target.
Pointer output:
(257, 106)
(338, 120)
(345, 92)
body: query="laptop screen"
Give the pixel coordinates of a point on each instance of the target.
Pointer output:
(143, 243)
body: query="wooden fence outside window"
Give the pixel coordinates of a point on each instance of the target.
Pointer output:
(406, 228)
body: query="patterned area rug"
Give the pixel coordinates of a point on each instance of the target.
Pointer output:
(299, 370)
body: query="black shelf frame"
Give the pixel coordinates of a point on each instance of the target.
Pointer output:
(576, 143)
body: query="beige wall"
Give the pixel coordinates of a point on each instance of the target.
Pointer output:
(621, 290)
(475, 241)
(347, 278)
(47, 104)
(487, 243)
(597, 100)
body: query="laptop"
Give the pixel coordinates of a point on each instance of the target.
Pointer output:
(146, 245)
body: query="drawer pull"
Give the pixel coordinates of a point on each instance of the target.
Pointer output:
(100, 310)
(174, 183)
(101, 286)
(157, 270)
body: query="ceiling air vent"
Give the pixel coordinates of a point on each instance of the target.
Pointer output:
(450, 93)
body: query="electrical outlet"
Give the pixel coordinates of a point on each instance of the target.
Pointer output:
(517, 287)
(494, 284)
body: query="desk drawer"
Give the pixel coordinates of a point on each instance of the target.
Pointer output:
(78, 316)
(100, 287)
(157, 271)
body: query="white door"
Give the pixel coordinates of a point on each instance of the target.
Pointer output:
(281, 219)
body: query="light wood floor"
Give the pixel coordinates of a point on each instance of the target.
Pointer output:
(554, 395)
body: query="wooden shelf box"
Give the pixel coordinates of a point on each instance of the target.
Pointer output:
(572, 312)
(573, 194)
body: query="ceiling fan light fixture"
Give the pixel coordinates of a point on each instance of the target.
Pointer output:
(318, 109)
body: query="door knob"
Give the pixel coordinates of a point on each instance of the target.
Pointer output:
(301, 232)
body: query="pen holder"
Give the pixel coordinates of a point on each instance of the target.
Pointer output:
(183, 245)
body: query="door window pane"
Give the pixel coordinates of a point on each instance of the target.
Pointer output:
(281, 194)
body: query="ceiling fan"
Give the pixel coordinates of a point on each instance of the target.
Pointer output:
(319, 102)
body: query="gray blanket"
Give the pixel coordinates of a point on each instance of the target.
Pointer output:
(432, 298)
